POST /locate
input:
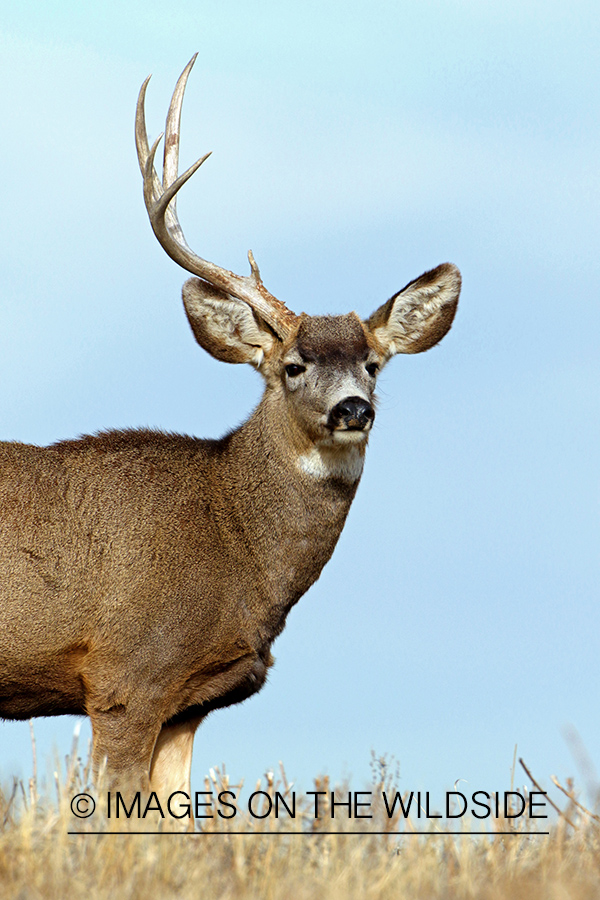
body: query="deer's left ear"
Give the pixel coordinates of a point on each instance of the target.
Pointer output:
(419, 315)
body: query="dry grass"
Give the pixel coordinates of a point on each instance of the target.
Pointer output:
(40, 859)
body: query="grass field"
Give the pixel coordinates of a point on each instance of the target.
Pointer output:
(288, 857)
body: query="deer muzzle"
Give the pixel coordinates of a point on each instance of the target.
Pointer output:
(351, 414)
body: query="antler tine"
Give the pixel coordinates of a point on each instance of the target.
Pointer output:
(173, 126)
(160, 199)
(141, 141)
(163, 217)
(170, 193)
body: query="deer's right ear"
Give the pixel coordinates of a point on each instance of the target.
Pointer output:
(225, 326)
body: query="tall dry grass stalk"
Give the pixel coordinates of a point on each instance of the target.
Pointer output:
(39, 858)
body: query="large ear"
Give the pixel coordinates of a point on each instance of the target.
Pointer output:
(419, 315)
(225, 326)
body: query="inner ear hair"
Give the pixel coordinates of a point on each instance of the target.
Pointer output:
(420, 315)
(226, 327)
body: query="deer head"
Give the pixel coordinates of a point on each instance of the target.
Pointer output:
(320, 371)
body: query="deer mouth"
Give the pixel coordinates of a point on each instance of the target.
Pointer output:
(350, 435)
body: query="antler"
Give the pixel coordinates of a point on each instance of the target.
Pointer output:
(161, 202)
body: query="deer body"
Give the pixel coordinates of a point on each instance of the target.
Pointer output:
(144, 576)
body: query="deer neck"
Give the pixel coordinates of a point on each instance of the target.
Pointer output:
(291, 498)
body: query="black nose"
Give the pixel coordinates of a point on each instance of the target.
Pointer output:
(354, 413)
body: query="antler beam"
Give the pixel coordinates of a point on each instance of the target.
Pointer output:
(161, 198)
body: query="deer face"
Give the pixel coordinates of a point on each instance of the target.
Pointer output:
(324, 368)
(328, 376)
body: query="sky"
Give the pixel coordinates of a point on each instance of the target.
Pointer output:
(355, 145)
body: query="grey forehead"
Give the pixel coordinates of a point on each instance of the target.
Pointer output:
(323, 338)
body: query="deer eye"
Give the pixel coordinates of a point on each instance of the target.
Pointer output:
(372, 369)
(293, 370)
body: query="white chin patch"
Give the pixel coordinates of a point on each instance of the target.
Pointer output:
(349, 437)
(343, 462)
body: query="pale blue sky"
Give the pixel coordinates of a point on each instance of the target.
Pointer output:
(354, 146)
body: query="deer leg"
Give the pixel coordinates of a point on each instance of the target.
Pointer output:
(122, 747)
(172, 758)
(170, 770)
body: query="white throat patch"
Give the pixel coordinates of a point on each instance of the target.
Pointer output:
(345, 463)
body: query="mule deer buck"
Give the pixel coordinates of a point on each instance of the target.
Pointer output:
(144, 575)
